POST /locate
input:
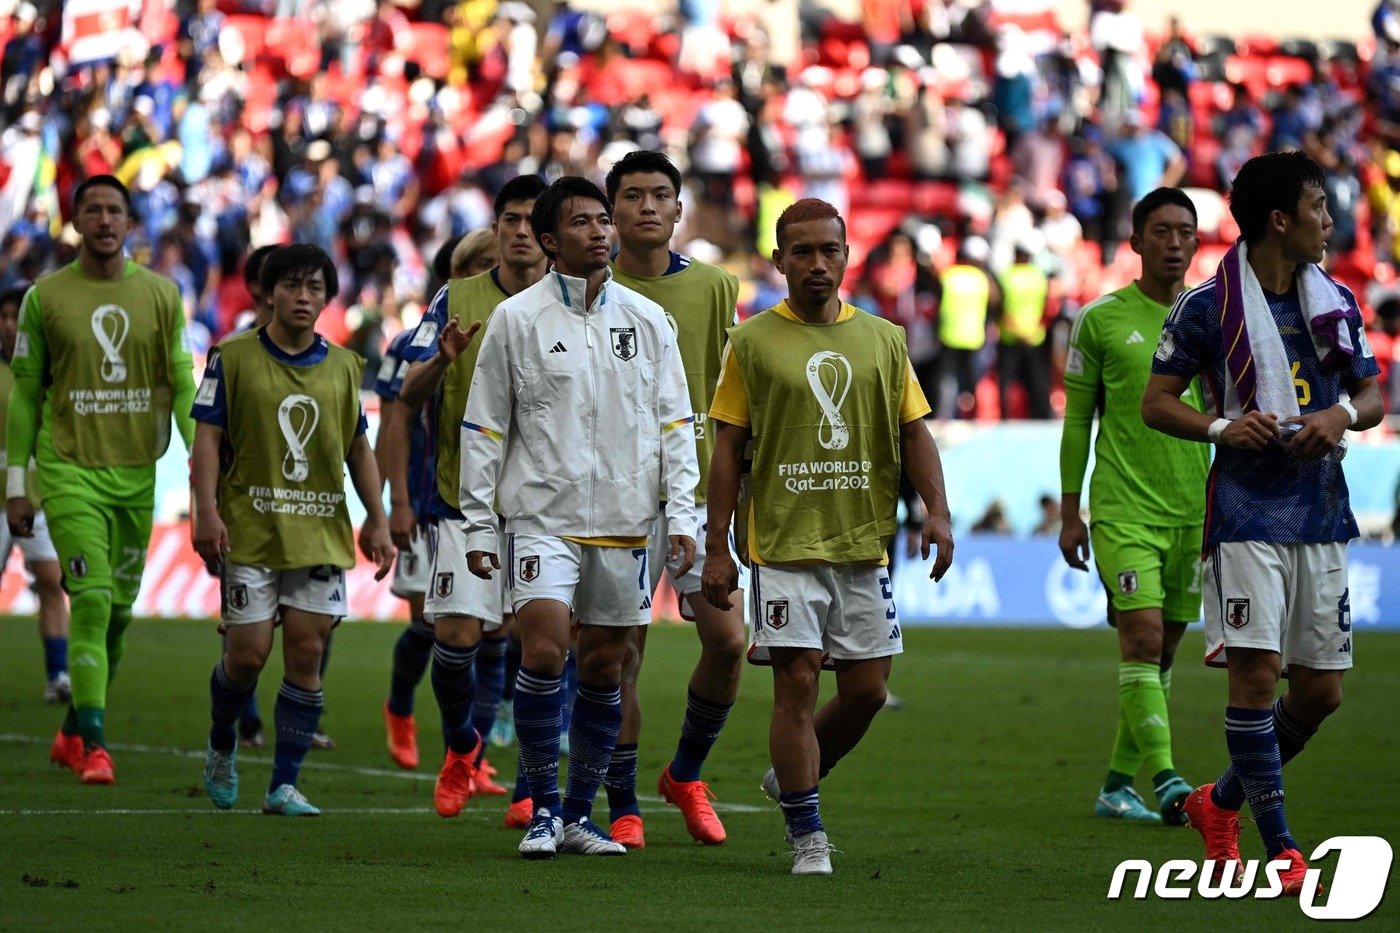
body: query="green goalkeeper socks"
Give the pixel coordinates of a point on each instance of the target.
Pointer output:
(1127, 757)
(96, 643)
(1142, 704)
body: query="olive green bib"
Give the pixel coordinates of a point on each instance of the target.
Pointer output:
(824, 403)
(289, 432)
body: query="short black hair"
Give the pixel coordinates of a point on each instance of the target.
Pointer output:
(545, 217)
(252, 266)
(15, 293)
(298, 259)
(1268, 183)
(640, 162)
(442, 259)
(519, 188)
(101, 181)
(1155, 200)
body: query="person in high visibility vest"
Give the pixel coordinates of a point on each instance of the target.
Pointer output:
(1022, 358)
(967, 295)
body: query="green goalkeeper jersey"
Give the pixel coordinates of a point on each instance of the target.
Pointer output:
(100, 367)
(1140, 475)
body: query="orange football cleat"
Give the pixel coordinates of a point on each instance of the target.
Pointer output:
(628, 831)
(403, 739)
(693, 799)
(97, 768)
(454, 784)
(482, 784)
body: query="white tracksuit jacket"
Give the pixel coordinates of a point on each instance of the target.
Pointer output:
(578, 419)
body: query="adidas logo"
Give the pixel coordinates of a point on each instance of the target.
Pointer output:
(559, 348)
(1135, 337)
(1155, 720)
(646, 603)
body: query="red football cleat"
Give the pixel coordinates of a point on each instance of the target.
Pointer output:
(693, 799)
(519, 814)
(454, 784)
(628, 831)
(1219, 829)
(403, 739)
(97, 768)
(1292, 876)
(67, 752)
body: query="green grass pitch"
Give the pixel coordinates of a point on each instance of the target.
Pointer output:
(969, 809)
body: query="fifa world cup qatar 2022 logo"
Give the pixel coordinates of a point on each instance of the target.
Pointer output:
(111, 325)
(829, 376)
(297, 417)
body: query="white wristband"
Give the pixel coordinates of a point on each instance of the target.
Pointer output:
(16, 482)
(1350, 409)
(1217, 428)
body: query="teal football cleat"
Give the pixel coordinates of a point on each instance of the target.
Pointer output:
(1125, 804)
(288, 801)
(1171, 799)
(221, 777)
(502, 733)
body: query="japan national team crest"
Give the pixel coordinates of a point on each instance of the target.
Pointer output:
(624, 342)
(444, 585)
(238, 596)
(775, 613)
(1237, 612)
(409, 562)
(529, 568)
(1128, 582)
(77, 567)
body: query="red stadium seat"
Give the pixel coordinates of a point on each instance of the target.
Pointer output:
(428, 47)
(253, 30)
(1283, 71)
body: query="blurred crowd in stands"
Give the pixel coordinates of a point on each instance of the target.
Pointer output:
(985, 155)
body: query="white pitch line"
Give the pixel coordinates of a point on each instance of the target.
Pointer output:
(12, 738)
(209, 811)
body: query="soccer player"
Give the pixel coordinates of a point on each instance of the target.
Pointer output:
(269, 510)
(442, 365)
(1276, 342)
(1147, 501)
(40, 558)
(398, 454)
(644, 188)
(100, 367)
(578, 419)
(828, 397)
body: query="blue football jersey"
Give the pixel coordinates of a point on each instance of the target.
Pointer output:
(1268, 495)
(388, 382)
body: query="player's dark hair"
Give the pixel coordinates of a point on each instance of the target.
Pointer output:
(641, 162)
(519, 188)
(799, 212)
(1268, 183)
(295, 261)
(545, 217)
(1155, 200)
(442, 262)
(15, 293)
(252, 266)
(101, 181)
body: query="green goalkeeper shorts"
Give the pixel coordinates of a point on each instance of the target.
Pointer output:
(1150, 567)
(99, 546)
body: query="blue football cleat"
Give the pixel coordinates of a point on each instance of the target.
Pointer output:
(1171, 799)
(221, 777)
(1125, 804)
(288, 801)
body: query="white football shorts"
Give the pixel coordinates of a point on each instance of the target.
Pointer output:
(252, 594)
(453, 590)
(1289, 598)
(688, 585)
(601, 585)
(36, 549)
(413, 567)
(844, 610)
